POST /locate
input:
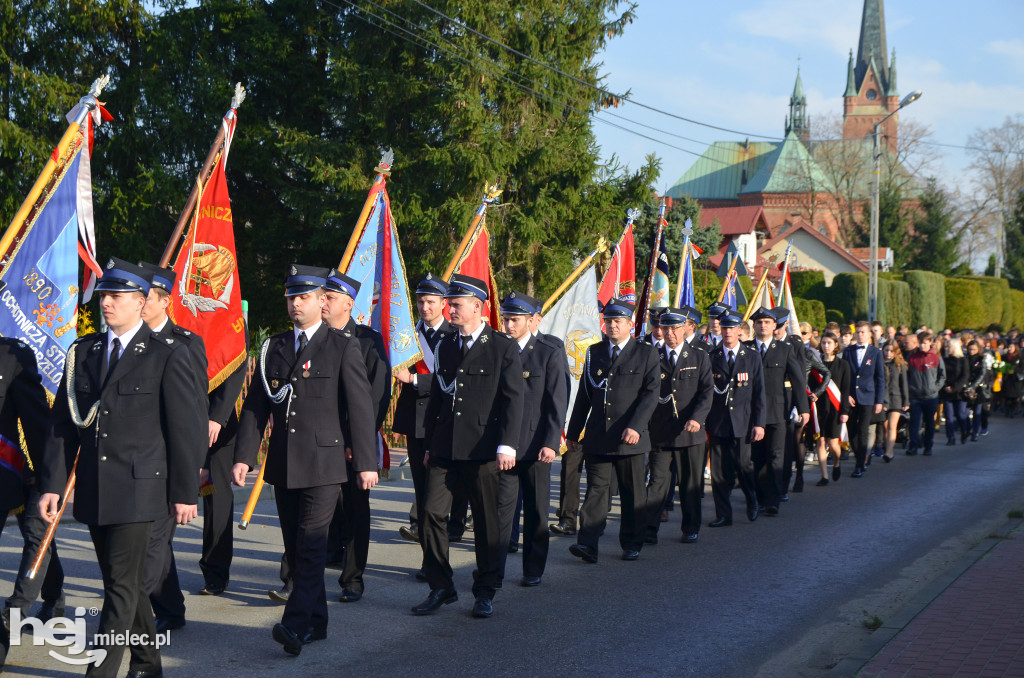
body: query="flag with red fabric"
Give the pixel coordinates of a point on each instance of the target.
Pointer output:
(476, 262)
(208, 299)
(620, 276)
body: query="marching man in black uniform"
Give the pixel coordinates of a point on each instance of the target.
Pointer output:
(350, 528)
(545, 402)
(23, 398)
(160, 575)
(677, 426)
(736, 419)
(412, 401)
(782, 369)
(473, 424)
(617, 396)
(128, 400)
(312, 380)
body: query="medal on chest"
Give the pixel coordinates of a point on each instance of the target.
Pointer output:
(305, 369)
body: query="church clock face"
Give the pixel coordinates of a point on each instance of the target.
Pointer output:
(872, 95)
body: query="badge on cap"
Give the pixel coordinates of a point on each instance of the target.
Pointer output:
(293, 271)
(110, 264)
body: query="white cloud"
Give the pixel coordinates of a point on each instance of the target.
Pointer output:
(1012, 50)
(832, 23)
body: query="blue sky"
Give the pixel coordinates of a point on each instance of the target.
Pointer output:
(733, 64)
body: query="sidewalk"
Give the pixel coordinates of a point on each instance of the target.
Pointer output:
(975, 627)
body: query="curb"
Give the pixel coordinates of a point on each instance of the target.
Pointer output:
(852, 664)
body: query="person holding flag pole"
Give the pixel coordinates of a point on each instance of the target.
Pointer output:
(655, 290)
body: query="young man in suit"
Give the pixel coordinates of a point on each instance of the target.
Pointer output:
(677, 425)
(867, 391)
(160, 574)
(617, 396)
(412, 401)
(473, 423)
(736, 419)
(312, 379)
(782, 370)
(350, 527)
(127, 406)
(545, 401)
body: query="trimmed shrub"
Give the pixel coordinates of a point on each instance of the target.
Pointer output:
(808, 284)
(928, 295)
(1017, 298)
(998, 303)
(894, 302)
(810, 311)
(848, 294)
(833, 316)
(965, 305)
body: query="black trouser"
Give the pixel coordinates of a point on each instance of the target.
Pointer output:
(460, 503)
(533, 478)
(629, 471)
(730, 457)
(569, 490)
(858, 428)
(160, 573)
(49, 581)
(689, 465)
(479, 481)
(219, 516)
(767, 455)
(121, 554)
(305, 516)
(355, 505)
(794, 455)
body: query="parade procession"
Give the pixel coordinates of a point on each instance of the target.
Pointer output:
(300, 436)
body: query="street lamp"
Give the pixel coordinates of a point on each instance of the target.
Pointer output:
(876, 170)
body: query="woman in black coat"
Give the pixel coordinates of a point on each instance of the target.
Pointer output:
(831, 418)
(897, 394)
(953, 406)
(978, 385)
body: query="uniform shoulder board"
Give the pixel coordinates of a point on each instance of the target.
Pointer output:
(86, 337)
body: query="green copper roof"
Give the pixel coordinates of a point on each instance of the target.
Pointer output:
(872, 44)
(788, 169)
(892, 91)
(851, 83)
(723, 171)
(798, 90)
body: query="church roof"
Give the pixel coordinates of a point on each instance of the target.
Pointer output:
(733, 220)
(798, 90)
(788, 169)
(872, 45)
(723, 171)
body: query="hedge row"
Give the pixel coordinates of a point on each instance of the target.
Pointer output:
(965, 304)
(1017, 300)
(928, 291)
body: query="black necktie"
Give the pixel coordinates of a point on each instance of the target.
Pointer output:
(764, 349)
(115, 354)
(466, 344)
(672, 358)
(302, 343)
(615, 352)
(428, 333)
(732, 360)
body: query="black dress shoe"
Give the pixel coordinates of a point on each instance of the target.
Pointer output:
(350, 595)
(408, 533)
(211, 590)
(314, 634)
(587, 553)
(289, 639)
(823, 482)
(513, 547)
(49, 609)
(454, 538)
(720, 522)
(857, 472)
(772, 511)
(630, 554)
(837, 473)
(529, 581)
(483, 608)
(280, 595)
(752, 512)
(145, 673)
(421, 575)
(887, 459)
(689, 538)
(164, 624)
(435, 600)
(651, 539)
(563, 528)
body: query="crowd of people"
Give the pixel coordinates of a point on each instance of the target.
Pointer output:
(746, 402)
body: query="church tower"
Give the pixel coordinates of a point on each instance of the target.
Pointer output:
(797, 121)
(871, 92)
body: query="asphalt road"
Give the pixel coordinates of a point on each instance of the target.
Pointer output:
(783, 596)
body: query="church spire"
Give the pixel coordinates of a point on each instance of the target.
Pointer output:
(797, 122)
(851, 82)
(872, 44)
(891, 91)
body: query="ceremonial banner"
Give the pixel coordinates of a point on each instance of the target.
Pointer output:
(685, 292)
(656, 286)
(733, 292)
(576, 320)
(476, 262)
(208, 299)
(786, 300)
(39, 301)
(386, 308)
(619, 279)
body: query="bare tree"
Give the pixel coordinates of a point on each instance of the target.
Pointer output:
(998, 164)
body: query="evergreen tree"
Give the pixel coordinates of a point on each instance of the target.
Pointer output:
(990, 267)
(1013, 267)
(934, 247)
